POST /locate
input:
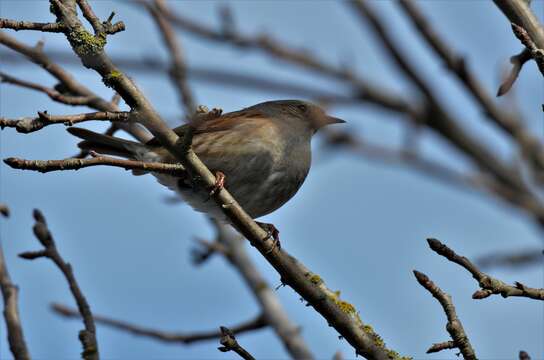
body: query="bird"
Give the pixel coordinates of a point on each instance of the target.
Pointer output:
(261, 154)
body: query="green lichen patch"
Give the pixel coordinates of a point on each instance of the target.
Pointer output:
(315, 279)
(110, 79)
(85, 43)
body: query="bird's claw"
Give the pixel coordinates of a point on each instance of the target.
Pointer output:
(219, 183)
(272, 233)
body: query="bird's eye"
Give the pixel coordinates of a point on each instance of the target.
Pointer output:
(302, 107)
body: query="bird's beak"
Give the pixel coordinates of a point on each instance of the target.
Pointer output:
(333, 120)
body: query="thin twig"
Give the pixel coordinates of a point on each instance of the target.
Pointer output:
(52, 93)
(230, 344)
(14, 329)
(489, 285)
(29, 25)
(172, 337)
(44, 166)
(454, 326)
(446, 345)
(178, 68)
(536, 53)
(511, 259)
(27, 125)
(42, 233)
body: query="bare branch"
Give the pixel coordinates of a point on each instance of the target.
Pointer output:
(52, 93)
(88, 335)
(72, 86)
(14, 329)
(454, 326)
(275, 315)
(28, 125)
(529, 144)
(184, 338)
(230, 344)
(446, 345)
(519, 13)
(178, 68)
(488, 284)
(536, 53)
(511, 259)
(44, 166)
(28, 25)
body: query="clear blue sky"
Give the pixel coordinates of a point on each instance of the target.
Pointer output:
(361, 226)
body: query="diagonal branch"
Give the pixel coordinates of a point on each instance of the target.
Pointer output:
(10, 294)
(536, 53)
(184, 338)
(273, 312)
(88, 335)
(178, 68)
(454, 326)
(529, 144)
(488, 284)
(518, 12)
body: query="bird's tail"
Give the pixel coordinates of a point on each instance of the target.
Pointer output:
(109, 145)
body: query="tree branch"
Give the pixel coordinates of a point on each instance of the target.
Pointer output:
(519, 13)
(14, 329)
(529, 144)
(536, 53)
(52, 93)
(230, 344)
(27, 125)
(178, 68)
(446, 345)
(454, 326)
(72, 86)
(29, 25)
(184, 338)
(273, 312)
(488, 284)
(88, 335)
(44, 166)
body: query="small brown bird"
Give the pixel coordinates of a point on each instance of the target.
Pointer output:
(262, 154)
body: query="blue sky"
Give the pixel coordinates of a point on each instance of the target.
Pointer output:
(362, 226)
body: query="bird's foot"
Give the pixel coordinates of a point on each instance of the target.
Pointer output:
(271, 233)
(219, 183)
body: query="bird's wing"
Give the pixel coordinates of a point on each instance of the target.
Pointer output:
(222, 123)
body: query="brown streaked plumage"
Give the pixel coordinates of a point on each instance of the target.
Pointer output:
(263, 151)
